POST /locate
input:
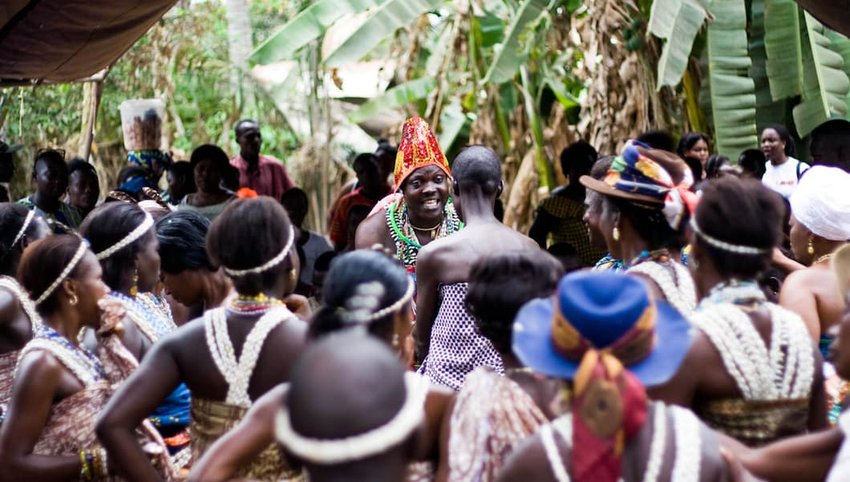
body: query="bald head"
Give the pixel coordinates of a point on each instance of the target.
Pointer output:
(344, 385)
(477, 166)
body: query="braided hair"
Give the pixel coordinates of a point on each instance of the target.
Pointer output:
(358, 285)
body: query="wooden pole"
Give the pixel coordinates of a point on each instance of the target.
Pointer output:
(94, 90)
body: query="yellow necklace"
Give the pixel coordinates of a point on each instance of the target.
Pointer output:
(824, 258)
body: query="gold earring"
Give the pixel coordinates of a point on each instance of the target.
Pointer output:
(810, 248)
(73, 301)
(616, 233)
(134, 289)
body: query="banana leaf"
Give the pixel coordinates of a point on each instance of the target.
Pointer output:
(452, 120)
(841, 44)
(782, 46)
(398, 96)
(674, 57)
(825, 80)
(662, 17)
(768, 111)
(732, 90)
(511, 54)
(307, 26)
(382, 24)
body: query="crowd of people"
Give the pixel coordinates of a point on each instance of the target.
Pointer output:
(671, 315)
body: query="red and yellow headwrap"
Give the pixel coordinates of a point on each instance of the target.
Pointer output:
(418, 148)
(609, 403)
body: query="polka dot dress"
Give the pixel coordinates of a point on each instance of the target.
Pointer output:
(456, 348)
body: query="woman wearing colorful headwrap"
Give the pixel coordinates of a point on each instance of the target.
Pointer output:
(645, 208)
(421, 211)
(607, 338)
(752, 371)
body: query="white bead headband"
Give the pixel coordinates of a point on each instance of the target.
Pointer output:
(27, 222)
(359, 309)
(723, 245)
(81, 251)
(268, 264)
(398, 305)
(128, 240)
(361, 446)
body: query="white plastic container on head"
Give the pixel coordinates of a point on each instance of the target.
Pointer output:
(141, 123)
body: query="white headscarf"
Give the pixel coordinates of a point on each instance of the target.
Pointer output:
(822, 202)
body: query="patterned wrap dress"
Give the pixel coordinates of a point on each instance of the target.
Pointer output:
(491, 417)
(456, 346)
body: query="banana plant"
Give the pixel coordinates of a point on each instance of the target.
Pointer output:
(825, 80)
(733, 99)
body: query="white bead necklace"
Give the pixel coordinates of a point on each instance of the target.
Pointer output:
(151, 320)
(785, 370)
(659, 440)
(686, 468)
(688, 442)
(77, 359)
(24, 299)
(237, 373)
(680, 292)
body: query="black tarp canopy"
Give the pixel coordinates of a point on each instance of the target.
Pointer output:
(69, 40)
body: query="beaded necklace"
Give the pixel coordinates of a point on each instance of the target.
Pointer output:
(24, 299)
(785, 370)
(79, 360)
(237, 372)
(658, 255)
(745, 293)
(404, 235)
(253, 305)
(147, 316)
(677, 287)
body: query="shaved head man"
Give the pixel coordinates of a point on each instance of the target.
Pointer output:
(343, 387)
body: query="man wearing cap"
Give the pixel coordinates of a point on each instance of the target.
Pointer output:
(447, 341)
(607, 338)
(262, 173)
(7, 168)
(421, 211)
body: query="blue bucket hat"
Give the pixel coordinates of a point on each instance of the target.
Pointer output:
(602, 311)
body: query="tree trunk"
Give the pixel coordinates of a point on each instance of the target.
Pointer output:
(240, 40)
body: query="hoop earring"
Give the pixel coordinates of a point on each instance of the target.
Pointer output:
(73, 301)
(616, 233)
(810, 248)
(134, 289)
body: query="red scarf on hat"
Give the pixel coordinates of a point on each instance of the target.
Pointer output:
(609, 403)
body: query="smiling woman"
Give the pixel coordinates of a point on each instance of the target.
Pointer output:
(423, 211)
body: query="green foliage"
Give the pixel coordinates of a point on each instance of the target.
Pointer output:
(396, 97)
(678, 21)
(732, 90)
(383, 22)
(182, 59)
(825, 81)
(307, 26)
(512, 52)
(783, 49)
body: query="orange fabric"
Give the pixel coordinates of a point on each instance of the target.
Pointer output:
(418, 148)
